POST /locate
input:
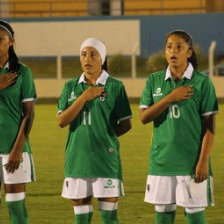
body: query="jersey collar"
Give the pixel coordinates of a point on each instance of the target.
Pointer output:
(6, 65)
(102, 79)
(187, 74)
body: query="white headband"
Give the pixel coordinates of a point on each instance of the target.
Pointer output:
(97, 44)
(6, 30)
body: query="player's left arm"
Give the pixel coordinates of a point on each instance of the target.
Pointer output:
(123, 127)
(201, 172)
(24, 130)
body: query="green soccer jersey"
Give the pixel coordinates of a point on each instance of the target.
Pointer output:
(11, 112)
(177, 132)
(92, 148)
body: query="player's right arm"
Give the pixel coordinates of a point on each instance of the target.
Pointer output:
(67, 116)
(152, 112)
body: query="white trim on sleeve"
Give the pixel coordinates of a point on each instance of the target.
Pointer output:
(143, 106)
(125, 118)
(208, 113)
(29, 99)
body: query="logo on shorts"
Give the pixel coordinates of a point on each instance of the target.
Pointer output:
(109, 184)
(148, 187)
(66, 183)
(158, 92)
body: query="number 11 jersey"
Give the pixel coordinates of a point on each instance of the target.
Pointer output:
(92, 148)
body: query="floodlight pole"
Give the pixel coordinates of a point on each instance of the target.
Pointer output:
(59, 67)
(211, 58)
(133, 61)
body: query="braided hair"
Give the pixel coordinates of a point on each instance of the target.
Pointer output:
(13, 59)
(188, 39)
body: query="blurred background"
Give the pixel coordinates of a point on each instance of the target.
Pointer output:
(48, 36)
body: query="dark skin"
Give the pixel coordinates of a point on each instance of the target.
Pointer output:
(177, 52)
(28, 110)
(15, 155)
(201, 172)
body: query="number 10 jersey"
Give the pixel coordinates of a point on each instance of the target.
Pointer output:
(177, 132)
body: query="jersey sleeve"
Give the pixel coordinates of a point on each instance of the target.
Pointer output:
(63, 100)
(147, 98)
(123, 110)
(28, 91)
(209, 104)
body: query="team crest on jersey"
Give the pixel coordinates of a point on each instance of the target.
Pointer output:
(158, 92)
(72, 96)
(103, 96)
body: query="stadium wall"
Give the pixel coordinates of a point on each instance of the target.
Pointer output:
(49, 37)
(119, 32)
(51, 88)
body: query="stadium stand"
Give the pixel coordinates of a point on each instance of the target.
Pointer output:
(50, 8)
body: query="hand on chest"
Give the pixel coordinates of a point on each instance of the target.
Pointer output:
(159, 91)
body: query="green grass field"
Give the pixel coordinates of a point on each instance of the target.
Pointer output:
(44, 202)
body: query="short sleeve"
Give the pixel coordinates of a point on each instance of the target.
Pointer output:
(146, 98)
(209, 104)
(63, 100)
(123, 110)
(28, 90)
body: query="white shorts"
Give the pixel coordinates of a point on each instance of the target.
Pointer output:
(24, 174)
(77, 188)
(180, 190)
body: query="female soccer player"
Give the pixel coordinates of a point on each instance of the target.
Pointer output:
(17, 96)
(182, 104)
(96, 108)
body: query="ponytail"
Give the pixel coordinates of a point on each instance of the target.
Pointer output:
(13, 60)
(193, 60)
(104, 66)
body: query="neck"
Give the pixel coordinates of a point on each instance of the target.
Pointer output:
(91, 78)
(177, 72)
(3, 60)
